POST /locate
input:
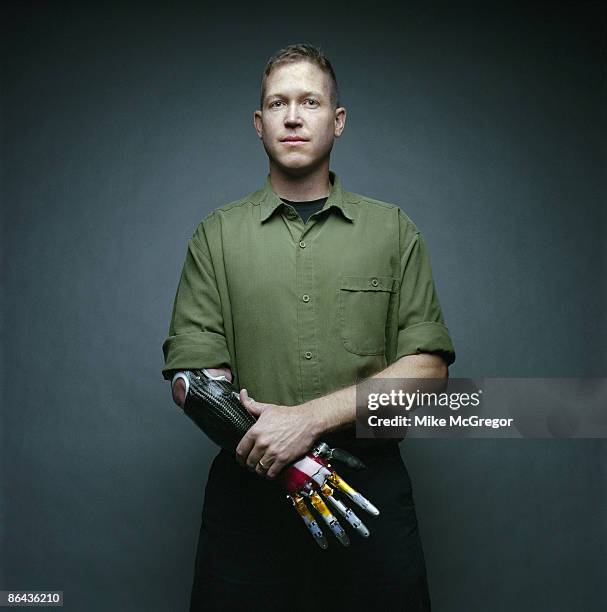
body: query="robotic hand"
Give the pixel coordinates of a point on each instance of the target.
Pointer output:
(214, 405)
(311, 478)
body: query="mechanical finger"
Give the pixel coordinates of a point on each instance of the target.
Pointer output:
(309, 520)
(354, 521)
(329, 518)
(353, 494)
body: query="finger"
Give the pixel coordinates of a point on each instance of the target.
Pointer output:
(329, 518)
(275, 469)
(249, 403)
(246, 399)
(263, 465)
(354, 495)
(255, 455)
(244, 448)
(309, 520)
(348, 458)
(244, 396)
(354, 521)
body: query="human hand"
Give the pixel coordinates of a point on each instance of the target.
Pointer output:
(281, 435)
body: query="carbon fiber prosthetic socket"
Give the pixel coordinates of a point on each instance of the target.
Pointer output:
(214, 405)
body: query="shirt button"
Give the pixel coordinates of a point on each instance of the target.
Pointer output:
(308, 355)
(375, 282)
(302, 244)
(306, 298)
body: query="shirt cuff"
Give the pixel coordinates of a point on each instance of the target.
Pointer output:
(426, 337)
(194, 351)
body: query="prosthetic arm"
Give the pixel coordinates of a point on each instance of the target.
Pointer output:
(214, 405)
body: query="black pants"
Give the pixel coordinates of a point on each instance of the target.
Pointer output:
(255, 553)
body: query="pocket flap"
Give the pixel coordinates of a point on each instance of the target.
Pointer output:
(368, 283)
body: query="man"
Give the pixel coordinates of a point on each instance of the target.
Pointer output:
(295, 293)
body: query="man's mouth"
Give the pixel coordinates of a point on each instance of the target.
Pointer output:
(293, 140)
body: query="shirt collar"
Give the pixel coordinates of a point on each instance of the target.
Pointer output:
(337, 199)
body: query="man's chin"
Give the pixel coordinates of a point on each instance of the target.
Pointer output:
(296, 170)
(296, 167)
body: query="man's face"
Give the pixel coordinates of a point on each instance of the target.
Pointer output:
(297, 122)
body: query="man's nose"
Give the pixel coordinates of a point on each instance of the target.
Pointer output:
(293, 116)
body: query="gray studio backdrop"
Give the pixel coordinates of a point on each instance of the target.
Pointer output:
(123, 127)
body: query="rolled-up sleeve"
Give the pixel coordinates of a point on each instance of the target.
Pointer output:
(421, 327)
(196, 333)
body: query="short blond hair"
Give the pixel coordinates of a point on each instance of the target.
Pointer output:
(297, 53)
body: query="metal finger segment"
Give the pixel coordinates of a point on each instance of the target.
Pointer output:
(309, 520)
(348, 458)
(329, 518)
(354, 521)
(353, 494)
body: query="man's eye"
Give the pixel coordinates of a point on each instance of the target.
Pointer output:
(311, 101)
(275, 103)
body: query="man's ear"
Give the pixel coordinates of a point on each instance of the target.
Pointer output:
(340, 121)
(258, 123)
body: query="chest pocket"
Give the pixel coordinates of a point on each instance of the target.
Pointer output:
(363, 311)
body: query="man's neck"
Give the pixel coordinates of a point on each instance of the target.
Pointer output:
(304, 188)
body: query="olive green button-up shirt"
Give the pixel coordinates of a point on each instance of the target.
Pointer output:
(298, 310)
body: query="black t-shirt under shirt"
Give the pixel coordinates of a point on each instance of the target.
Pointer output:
(306, 209)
